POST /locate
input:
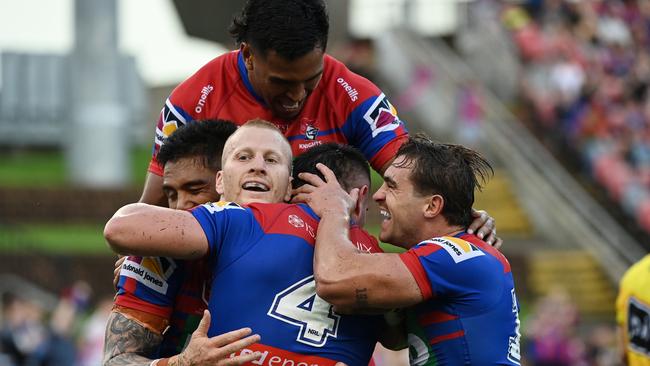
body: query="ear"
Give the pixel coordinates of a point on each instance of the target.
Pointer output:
(360, 206)
(245, 50)
(219, 183)
(434, 206)
(287, 195)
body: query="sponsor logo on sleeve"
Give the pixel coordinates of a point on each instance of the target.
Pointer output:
(152, 272)
(352, 92)
(382, 116)
(458, 249)
(638, 326)
(171, 120)
(205, 91)
(214, 207)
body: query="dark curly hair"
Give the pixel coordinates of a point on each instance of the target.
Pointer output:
(201, 139)
(292, 28)
(452, 171)
(347, 163)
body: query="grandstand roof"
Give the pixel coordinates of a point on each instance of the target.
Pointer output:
(150, 30)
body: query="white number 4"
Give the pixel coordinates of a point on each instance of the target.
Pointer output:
(300, 306)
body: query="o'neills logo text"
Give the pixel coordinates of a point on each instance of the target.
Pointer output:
(204, 95)
(353, 93)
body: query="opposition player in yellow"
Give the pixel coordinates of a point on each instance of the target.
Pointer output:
(633, 314)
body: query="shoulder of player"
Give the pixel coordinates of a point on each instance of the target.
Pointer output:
(345, 88)
(637, 270)
(276, 210)
(287, 219)
(458, 249)
(220, 206)
(211, 80)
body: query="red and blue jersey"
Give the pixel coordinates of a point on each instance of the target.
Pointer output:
(344, 108)
(174, 292)
(263, 279)
(470, 312)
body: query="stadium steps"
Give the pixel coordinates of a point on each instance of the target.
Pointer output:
(499, 200)
(577, 272)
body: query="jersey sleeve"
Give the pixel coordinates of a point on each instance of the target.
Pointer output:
(150, 284)
(370, 121)
(172, 116)
(376, 130)
(186, 102)
(447, 266)
(230, 229)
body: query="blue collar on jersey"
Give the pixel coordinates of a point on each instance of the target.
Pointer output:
(243, 71)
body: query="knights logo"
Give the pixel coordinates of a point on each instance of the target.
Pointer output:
(311, 132)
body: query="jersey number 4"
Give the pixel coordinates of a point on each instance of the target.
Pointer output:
(300, 306)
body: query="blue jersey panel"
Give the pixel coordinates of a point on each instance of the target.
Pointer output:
(472, 315)
(264, 280)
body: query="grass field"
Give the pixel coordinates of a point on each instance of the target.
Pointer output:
(53, 239)
(35, 169)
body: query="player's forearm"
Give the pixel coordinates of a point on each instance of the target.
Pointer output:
(128, 343)
(334, 259)
(146, 230)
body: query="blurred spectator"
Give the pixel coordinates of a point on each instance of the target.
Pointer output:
(91, 339)
(28, 339)
(552, 332)
(471, 113)
(601, 346)
(633, 314)
(586, 77)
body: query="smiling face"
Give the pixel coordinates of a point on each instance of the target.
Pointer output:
(284, 85)
(187, 182)
(256, 166)
(401, 207)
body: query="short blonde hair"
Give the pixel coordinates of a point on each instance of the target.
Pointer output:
(263, 124)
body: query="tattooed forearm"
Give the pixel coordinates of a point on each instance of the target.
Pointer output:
(362, 297)
(128, 343)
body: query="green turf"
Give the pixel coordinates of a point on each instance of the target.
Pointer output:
(374, 230)
(36, 169)
(53, 238)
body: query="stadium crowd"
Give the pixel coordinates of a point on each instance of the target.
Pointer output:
(585, 75)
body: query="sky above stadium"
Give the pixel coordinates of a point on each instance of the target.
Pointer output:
(148, 29)
(151, 30)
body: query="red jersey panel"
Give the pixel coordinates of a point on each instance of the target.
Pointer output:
(344, 108)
